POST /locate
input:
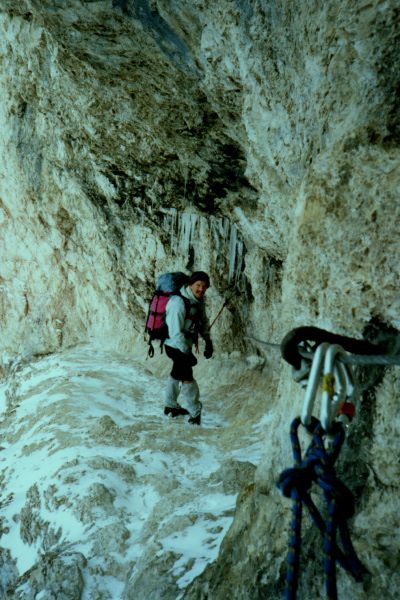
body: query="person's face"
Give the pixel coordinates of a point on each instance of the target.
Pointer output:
(199, 288)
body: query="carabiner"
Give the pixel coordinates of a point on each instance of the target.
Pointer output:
(313, 383)
(334, 394)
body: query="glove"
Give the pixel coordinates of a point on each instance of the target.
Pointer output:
(192, 360)
(208, 352)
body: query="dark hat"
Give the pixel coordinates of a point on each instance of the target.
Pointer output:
(199, 276)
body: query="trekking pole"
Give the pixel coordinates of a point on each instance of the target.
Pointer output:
(219, 312)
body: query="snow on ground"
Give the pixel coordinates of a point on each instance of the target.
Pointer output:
(90, 464)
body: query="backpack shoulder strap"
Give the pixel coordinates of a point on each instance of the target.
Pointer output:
(186, 302)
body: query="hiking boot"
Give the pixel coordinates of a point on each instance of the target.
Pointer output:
(175, 412)
(194, 420)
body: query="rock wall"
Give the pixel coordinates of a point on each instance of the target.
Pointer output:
(258, 141)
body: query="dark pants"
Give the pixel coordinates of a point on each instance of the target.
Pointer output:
(182, 369)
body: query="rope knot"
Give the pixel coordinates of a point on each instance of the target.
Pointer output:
(318, 467)
(296, 478)
(336, 491)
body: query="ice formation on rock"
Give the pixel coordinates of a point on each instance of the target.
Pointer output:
(190, 231)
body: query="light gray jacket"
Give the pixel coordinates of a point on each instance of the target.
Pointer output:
(182, 330)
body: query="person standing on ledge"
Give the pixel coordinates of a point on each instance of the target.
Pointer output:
(186, 319)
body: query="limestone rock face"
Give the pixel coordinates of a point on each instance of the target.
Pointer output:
(258, 141)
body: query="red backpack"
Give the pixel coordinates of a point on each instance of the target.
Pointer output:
(168, 284)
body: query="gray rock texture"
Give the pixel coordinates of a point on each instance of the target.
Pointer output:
(258, 141)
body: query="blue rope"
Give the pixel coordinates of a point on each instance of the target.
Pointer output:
(318, 467)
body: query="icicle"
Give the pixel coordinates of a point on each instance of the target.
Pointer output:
(215, 226)
(172, 227)
(170, 224)
(190, 231)
(225, 227)
(236, 248)
(193, 225)
(187, 231)
(232, 252)
(184, 232)
(203, 231)
(239, 260)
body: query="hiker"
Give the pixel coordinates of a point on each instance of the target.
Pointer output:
(186, 320)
